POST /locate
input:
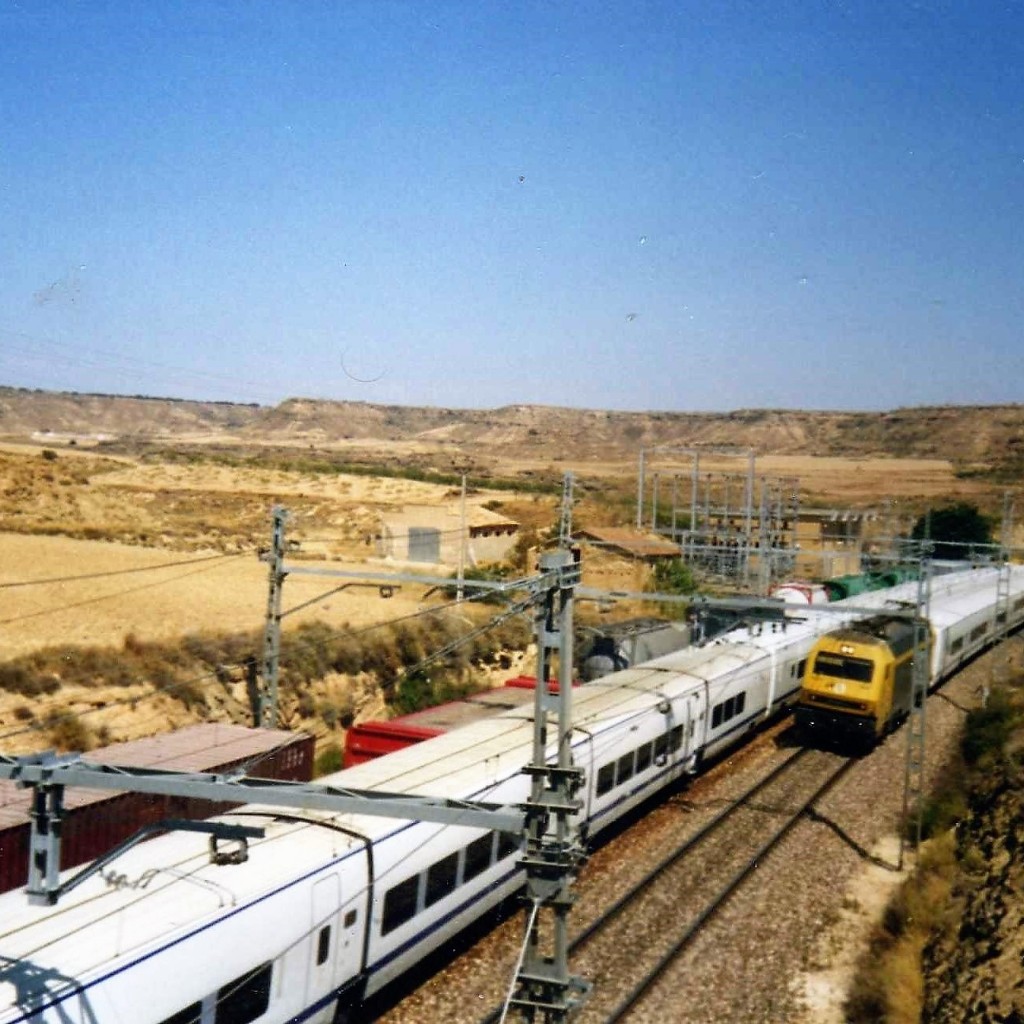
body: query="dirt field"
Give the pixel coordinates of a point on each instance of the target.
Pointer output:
(192, 593)
(182, 517)
(169, 549)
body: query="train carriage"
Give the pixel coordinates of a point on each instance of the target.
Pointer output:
(329, 908)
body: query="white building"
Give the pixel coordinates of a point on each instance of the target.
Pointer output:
(433, 535)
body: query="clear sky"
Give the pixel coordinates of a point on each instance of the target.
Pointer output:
(621, 205)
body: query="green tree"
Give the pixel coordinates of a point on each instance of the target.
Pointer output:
(953, 529)
(673, 576)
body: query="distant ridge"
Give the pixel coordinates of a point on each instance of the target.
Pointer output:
(986, 435)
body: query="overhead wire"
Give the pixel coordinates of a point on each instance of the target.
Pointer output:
(212, 675)
(455, 531)
(32, 348)
(113, 572)
(110, 597)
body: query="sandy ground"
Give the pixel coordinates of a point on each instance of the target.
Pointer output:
(824, 990)
(157, 594)
(277, 483)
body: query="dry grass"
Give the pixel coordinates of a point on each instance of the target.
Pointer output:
(70, 513)
(888, 986)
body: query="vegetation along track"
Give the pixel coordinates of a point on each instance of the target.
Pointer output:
(631, 942)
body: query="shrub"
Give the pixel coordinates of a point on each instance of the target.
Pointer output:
(888, 985)
(328, 760)
(490, 573)
(17, 677)
(67, 732)
(987, 729)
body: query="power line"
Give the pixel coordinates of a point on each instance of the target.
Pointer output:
(104, 359)
(212, 676)
(110, 597)
(113, 572)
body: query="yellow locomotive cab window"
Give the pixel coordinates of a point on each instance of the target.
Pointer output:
(841, 666)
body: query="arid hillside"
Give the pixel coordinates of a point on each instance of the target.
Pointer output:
(981, 437)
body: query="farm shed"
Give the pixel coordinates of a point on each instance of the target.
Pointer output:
(631, 543)
(97, 820)
(433, 535)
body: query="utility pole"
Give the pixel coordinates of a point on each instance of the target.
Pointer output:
(460, 590)
(640, 493)
(554, 851)
(565, 524)
(267, 710)
(913, 771)
(999, 672)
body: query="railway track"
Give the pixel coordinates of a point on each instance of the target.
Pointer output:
(634, 940)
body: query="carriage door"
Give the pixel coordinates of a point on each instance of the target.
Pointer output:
(325, 963)
(696, 724)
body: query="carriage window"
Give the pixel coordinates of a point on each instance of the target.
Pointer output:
(716, 716)
(478, 856)
(323, 945)
(508, 843)
(957, 644)
(660, 747)
(441, 878)
(625, 772)
(350, 918)
(676, 738)
(741, 702)
(400, 904)
(246, 998)
(605, 778)
(643, 757)
(190, 1015)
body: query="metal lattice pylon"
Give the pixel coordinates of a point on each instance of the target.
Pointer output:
(543, 987)
(913, 776)
(1000, 663)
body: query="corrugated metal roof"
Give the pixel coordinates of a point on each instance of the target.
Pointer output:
(196, 748)
(444, 517)
(642, 545)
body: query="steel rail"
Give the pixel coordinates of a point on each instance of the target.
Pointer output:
(714, 905)
(707, 829)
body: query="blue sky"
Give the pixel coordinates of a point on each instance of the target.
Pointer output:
(617, 205)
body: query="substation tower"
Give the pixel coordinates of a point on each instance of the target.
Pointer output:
(729, 523)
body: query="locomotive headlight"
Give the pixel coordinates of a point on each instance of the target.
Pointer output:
(845, 649)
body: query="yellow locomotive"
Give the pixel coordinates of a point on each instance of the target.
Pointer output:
(858, 681)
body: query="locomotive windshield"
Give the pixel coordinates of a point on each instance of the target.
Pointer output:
(842, 667)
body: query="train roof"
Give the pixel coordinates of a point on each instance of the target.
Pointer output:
(182, 888)
(162, 890)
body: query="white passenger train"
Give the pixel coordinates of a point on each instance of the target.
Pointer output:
(330, 908)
